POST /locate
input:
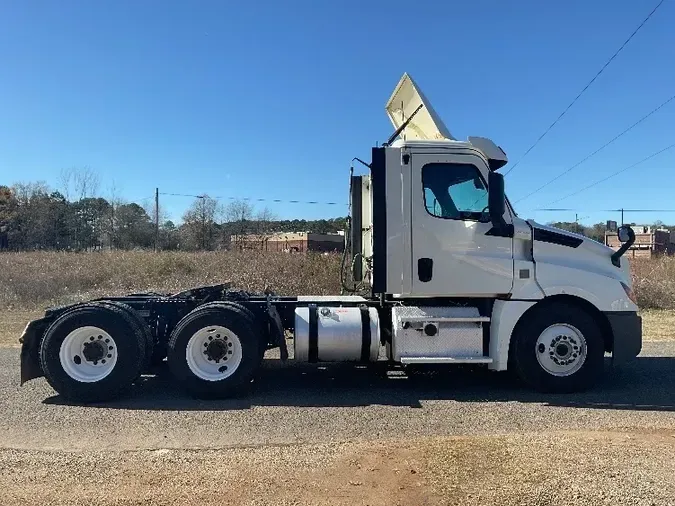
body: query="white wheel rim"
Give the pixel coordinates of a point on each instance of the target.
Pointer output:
(213, 353)
(88, 354)
(561, 350)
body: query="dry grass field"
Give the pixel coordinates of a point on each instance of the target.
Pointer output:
(36, 279)
(33, 280)
(29, 282)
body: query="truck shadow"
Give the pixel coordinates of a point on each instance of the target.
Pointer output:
(646, 384)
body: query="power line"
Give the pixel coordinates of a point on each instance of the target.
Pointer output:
(602, 69)
(562, 209)
(614, 174)
(596, 151)
(250, 199)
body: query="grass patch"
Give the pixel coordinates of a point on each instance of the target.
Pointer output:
(658, 325)
(654, 282)
(37, 279)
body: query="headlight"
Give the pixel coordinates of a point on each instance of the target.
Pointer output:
(629, 292)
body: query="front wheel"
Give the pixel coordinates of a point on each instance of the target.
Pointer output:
(558, 348)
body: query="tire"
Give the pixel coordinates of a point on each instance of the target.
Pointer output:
(84, 379)
(542, 337)
(197, 364)
(140, 326)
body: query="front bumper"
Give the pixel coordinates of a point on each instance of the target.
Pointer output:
(30, 350)
(627, 335)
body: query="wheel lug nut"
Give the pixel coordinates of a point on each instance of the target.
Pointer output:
(91, 338)
(103, 361)
(100, 337)
(109, 355)
(110, 347)
(210, 338)
(107, 340)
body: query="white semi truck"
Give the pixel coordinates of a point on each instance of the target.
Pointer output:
(453, 276)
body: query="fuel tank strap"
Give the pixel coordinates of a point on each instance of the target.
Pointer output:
(365, 334)
(313, 337)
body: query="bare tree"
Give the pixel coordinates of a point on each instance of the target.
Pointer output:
(238, 215)
(111, 221)
(199, 222)
(86, 182)
(264, 225)
(79, 182)
(66, 177)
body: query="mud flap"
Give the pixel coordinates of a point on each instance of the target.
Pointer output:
(627, 332)
(277, 331)
(30, 350)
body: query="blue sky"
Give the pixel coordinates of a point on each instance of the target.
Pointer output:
(273, 99)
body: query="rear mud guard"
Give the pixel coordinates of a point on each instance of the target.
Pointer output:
(30, 350)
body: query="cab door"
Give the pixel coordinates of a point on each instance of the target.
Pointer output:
(456, 251)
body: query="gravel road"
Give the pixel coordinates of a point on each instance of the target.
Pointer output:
(347, 435)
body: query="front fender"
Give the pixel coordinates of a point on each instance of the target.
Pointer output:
(604, 294)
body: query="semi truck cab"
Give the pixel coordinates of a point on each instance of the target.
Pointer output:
(442, 268)
(437, 226)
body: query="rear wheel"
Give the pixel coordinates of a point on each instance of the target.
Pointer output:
(215, 350)
(139, 327)
(93, 352)
(558, 348)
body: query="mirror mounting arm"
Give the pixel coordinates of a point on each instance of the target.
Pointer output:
(616, 256)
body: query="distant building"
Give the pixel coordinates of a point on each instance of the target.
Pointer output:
(649, 242)
(291, 242)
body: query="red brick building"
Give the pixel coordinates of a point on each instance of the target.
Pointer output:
(293, 242)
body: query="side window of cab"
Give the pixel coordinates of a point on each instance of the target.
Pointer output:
(454, 191)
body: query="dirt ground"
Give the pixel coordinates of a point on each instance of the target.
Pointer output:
(594, 468)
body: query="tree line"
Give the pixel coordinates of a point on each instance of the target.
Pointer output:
(597, 231)
(34, 216)
(75, 217)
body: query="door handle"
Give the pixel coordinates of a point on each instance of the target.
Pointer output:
(425, 269)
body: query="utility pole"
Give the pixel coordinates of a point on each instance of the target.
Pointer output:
(156, 219)
(576, 221)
